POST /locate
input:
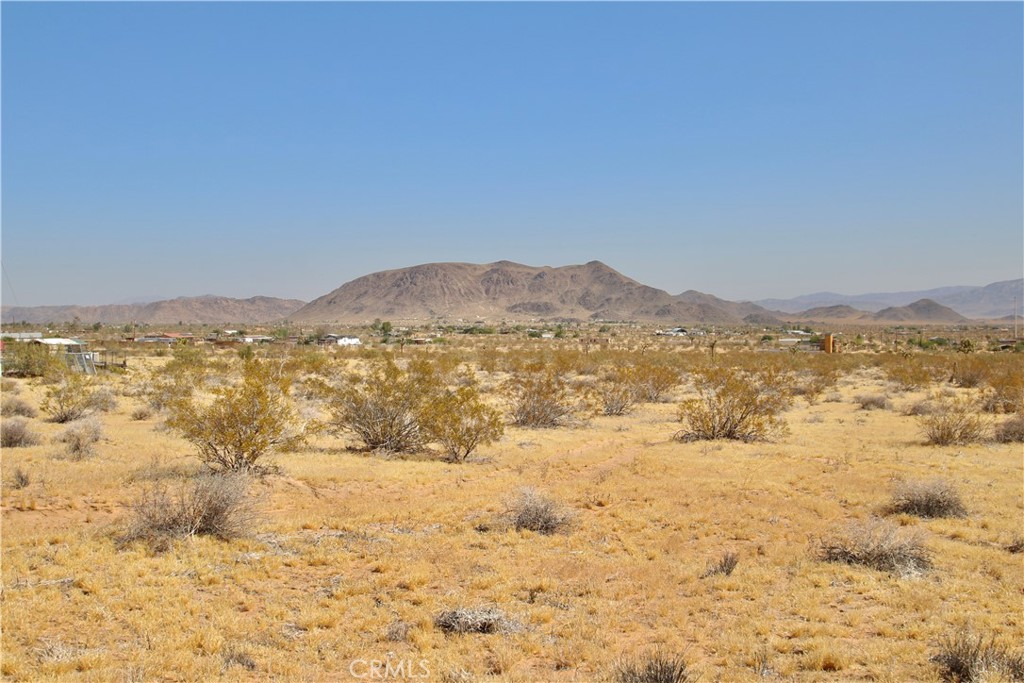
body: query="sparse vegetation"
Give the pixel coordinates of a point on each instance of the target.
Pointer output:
(965, 657)
(69, 398)
(1011, 430)
(724, 565)
(654, 668)
(80, 437)
(475, 620)
(533, 511)
(210, 504)
(15, 433)
(877, 544)
(460, 421)
(873, 402)
(16, 407)
(540, 399)
(927, 498)
(954, 422)
(732, 404)
(242, 424)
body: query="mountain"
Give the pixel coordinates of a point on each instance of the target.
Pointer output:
(200, 309)
(989, 302)
(832, 313)
(922, 311)
(513, 291)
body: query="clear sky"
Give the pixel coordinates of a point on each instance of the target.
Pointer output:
(746, 150)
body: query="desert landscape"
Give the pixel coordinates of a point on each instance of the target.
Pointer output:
(546, 502)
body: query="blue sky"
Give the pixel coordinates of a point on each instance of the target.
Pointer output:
(747, 150)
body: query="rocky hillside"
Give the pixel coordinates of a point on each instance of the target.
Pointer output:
(200, 309)
(512, 291)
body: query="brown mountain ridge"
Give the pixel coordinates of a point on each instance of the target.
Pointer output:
(197, 309)
(513, 291)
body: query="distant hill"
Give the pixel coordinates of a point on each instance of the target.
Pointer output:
(989, 302)
(513, 291)
(200, 309)
(923, 311)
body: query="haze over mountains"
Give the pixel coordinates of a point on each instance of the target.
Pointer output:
(197, 309)
(511, 291)
(989, 302)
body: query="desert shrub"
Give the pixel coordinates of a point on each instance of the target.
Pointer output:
(209, 504)
(1012, 430)
(968, 371)
(142, 413)
(14, 433)
(724, 565)
(925, 407)
(69, 398)
(927, 498)
(908, 373)
(1005, 390)
(652, 382)
(732, 404)
(20, 479)
(873, 401)
(23, 359)
(966, 658)
(382, 406)
(475, 620)
(12, 407)
(654, 668)
(80, 436)
(398, 631)
(953, 422)
(539, 399)
(617, 397)
(1016, 545)
(877, 544)
(102, 399)
(243, 423)
(813, 383)
(533, 511)
(460, 421)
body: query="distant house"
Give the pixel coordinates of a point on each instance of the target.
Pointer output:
(61, 344)
(256, 339)
(340, 340)
(166, 338)
(22, 336)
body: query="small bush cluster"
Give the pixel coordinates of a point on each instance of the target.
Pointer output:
(968, 658)
(929, 498)
(15, 407)
(724, 565)
(15, 433)
(242, 424)
(733, 404)
(80, 436)
(654, 668)
(69, 398)
(103, 400)
(955, 422)
(210, 504)
(539, 399)
(475, 620)
(873, 401)
(877, 544)
(534, 511)
(1011, 431)
(400, 411)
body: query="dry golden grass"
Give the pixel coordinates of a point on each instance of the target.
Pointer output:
(357, 554)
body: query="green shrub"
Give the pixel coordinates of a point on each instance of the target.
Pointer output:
(460, 421)
(243, 423)
(733, 404)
